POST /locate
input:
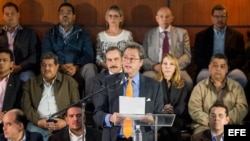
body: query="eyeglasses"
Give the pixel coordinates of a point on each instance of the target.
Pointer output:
(133, 60)
(4, 60)
(113, 16)
(65, 12)
(220, 17)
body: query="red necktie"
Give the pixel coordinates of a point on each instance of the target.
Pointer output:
(165, 47)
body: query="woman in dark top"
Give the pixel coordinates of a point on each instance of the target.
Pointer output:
(174, 95)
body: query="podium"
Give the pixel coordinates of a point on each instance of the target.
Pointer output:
(154, 120)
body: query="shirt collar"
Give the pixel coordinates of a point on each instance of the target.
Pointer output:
(18, 27)
(221, 31)
(23, 139)
(6, 78)
(168, 29)
(73, 135)
(214, 137)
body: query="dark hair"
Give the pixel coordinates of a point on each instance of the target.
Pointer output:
(68, 5)
(78, 105)
(10, 4)
(219, 104)
(218, 7)
(219, 56)
(20, 117)
(49, 55)
(134, 45)
(8, 51)
(111, 49)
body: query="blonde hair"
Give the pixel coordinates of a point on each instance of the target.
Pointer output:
(118, 10)
(176, 79)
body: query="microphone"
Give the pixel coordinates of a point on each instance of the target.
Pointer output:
(91, 95)
(125, 76)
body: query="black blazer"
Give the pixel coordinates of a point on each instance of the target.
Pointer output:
(178, 97)
(13, 93)
(107, 102)
(63, 135)
(234, 48)
(30, 136)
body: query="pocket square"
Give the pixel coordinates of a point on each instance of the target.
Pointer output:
(148, 99)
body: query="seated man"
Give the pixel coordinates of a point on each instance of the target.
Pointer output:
(46, 94)
(21, 40)
(217, 88)
(73, 47)
(14, 123)
(218, 117)
(10, 85)
(74, 130)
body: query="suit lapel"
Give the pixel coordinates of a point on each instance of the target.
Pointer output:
(173, 39)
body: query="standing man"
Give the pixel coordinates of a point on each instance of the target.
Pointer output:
(21, 40)
(217, 88)
(218, 116)
(219, 38)
(46, 94)
(177, 42)
(74, 131)
(10, 85)
(72, 45)
(107, 106)
(14, 124)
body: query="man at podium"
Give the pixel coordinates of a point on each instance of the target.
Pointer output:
(137, 85)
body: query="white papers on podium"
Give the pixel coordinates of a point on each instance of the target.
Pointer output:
(131, 105)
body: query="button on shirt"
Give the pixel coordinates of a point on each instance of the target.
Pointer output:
(47, 105)
(3, 85)
(162, 36)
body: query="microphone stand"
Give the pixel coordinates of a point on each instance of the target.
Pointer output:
(83, 102)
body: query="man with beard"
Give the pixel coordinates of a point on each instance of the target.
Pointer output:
(46, 94)
(217, 88)
(219, 38)
(73, 47)
(74, 131)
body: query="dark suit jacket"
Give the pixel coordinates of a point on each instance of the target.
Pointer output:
(108, 103)
(63, 135)
(234, 48)
(13, 94)
(30, 136)
(202, 136)
(177, 97)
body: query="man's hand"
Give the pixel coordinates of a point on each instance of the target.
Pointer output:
(1, 117)
(148, 118)
(69, 69)
(157, 67)
(16, 68)
(42, 123)
(61, 123)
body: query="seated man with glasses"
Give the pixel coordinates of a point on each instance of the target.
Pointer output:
(219, 38)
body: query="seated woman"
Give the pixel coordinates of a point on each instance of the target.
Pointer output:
(113, 36)
(174, 95)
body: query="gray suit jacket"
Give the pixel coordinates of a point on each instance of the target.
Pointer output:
(180, 47)
(108, 103)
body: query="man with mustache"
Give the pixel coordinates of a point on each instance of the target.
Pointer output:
(217, 88)
(73, 47)
(219, 38)
(46, 94)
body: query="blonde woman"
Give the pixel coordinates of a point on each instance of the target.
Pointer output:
(113, 36)
(174, 96)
